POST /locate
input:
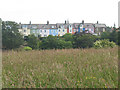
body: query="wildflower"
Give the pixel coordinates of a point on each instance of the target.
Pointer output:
(105, 86)
(86, 77)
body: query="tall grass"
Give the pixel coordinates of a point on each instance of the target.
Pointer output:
(67, 68)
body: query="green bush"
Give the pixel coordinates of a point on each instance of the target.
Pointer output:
(104, 44)
(27, 48)
(84, 41)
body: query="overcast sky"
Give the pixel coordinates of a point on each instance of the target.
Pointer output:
(57, 11)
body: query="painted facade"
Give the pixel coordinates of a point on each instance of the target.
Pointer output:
(24, 30)
(61, 32)
(59, 29)
(70, 28)
(53, 32)
(40, 32)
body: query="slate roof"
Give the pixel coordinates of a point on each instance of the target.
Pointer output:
(62, 24)
(100, 25)
(58, 25)
(39, 26)
(88, 25)
(76, 25)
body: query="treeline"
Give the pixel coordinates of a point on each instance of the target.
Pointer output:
(65, 41)
(12, 39)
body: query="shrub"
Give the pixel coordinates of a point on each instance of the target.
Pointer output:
(32, 42)
(84, 41)
(104, 44)
(27, 48)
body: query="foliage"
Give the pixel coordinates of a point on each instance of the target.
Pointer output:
(119, 38)
(32, 42)
(112, 36)
(104, 44)
(84, 40)
(68, 37)
(49, 42)
(53, 42)
(11, 37)
(27, 48)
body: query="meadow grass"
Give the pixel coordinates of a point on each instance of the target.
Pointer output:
(66, 68)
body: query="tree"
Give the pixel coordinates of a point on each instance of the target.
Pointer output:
(49, 42)
(11, 37)
(84, 40)
(32, 42)
(112, 36)
(68, 37)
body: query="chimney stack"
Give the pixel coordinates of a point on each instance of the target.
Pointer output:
(82, 21)
(30, 23)
(19, 22)
(97, 22)
(47, 22)
(65, 21)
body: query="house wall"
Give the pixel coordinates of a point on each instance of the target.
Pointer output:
(67, 30)
(41, 32)
(70, 28)
(24, 31)
(62, 32)
(44, 32)
(53, 32)
(74, 30)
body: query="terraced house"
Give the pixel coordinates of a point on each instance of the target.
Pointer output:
(59, 29)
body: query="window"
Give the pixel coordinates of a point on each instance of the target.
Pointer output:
(24, 30)
(45, 35)
(59, 30)
(45, 30)
(70, 30)
(41, 30)
(24, 26)
(52, 26)
(34, 26)
(63, 30)
(33, 31)
(37, 31)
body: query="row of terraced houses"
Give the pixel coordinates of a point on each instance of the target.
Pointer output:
(59, 29)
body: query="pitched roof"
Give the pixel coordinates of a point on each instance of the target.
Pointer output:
(100, 25)
(88, 25)
(62, 24)
(76, 25)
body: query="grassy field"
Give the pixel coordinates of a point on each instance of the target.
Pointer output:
(68, 68)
